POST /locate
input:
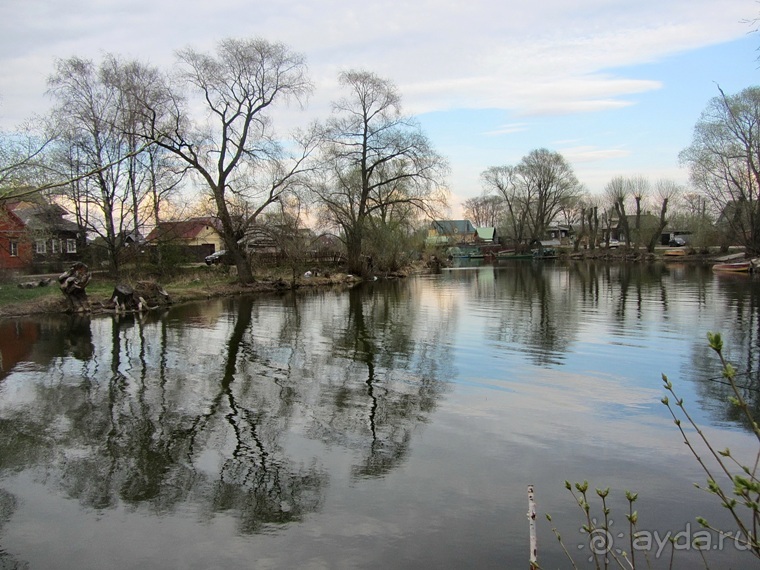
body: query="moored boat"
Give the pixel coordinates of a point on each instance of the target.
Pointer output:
(746, 266)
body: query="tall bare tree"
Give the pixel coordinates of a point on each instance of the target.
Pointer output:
(639, 189)
(665, 192)
(549, 183)
(234, 153)
(89, 113)
(535, 191)
(376, 160)
(502, 180)
(617, 192)
(724, 162)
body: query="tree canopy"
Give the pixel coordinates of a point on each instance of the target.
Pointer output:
(724, 162)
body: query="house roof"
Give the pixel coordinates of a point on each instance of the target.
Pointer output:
(42, 216)
(182, 229)
(7, 215)
(450, 227)
(486, 233)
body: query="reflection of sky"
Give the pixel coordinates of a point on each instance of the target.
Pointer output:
(654, 330)
(546, 378)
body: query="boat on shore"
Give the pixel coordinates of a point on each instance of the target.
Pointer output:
(511, 254)
(745, 266)
(545, 253)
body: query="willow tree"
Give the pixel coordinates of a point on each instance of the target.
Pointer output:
(234, 152)
(724, 162)
(376, 160)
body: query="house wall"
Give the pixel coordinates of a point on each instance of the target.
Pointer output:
(208, 235)
(13, 231)
(57, 256)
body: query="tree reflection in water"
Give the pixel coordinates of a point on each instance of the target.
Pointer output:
(164, 414)
(250, 410)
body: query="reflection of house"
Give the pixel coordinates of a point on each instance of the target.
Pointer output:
(197, 236)
(443, 232)
(16, 342)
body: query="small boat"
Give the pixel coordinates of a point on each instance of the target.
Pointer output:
(675, 253)
(747, 266)
(513, 255)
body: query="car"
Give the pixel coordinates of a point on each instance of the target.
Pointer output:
(613, 243)
(217, 257)
(677, 242)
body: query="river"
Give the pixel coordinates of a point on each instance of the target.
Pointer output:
(396, 424)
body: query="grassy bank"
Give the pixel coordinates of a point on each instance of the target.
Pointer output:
(190, 284)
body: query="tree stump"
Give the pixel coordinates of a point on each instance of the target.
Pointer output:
(145, 295)
(73, 284)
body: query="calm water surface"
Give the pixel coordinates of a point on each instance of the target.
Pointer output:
(393, 425)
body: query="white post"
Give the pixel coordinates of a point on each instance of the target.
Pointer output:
(532, 523)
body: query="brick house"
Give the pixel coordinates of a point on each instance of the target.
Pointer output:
(15, 244)
(55, 241)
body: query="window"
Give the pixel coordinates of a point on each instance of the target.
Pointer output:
(40, 246)
(71, 246)
(14, 248)
(55, 246)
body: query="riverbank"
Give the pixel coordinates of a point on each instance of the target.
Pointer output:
(210, 282)
(206, 283)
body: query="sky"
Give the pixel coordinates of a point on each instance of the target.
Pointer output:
(615, 86)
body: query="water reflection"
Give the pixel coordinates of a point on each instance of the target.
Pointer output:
(146, 421)
(263, 410)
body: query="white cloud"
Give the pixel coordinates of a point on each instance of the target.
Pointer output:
(535, 59)
(592, 154)
(508, 129)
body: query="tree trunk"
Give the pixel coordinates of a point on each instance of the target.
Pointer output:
(661, 226)
(73, 283)
(354, 253)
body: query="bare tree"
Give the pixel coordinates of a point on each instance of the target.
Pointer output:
(89, 114)
(234, 154)
(638, 188)
(484, 211)
(724, 162)
(578, 214)
(23, 160)
(616, 192)
(503, 181)
(535, 191)
(376, 160)
(665, 192)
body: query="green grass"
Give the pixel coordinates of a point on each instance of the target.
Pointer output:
(10, 293)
